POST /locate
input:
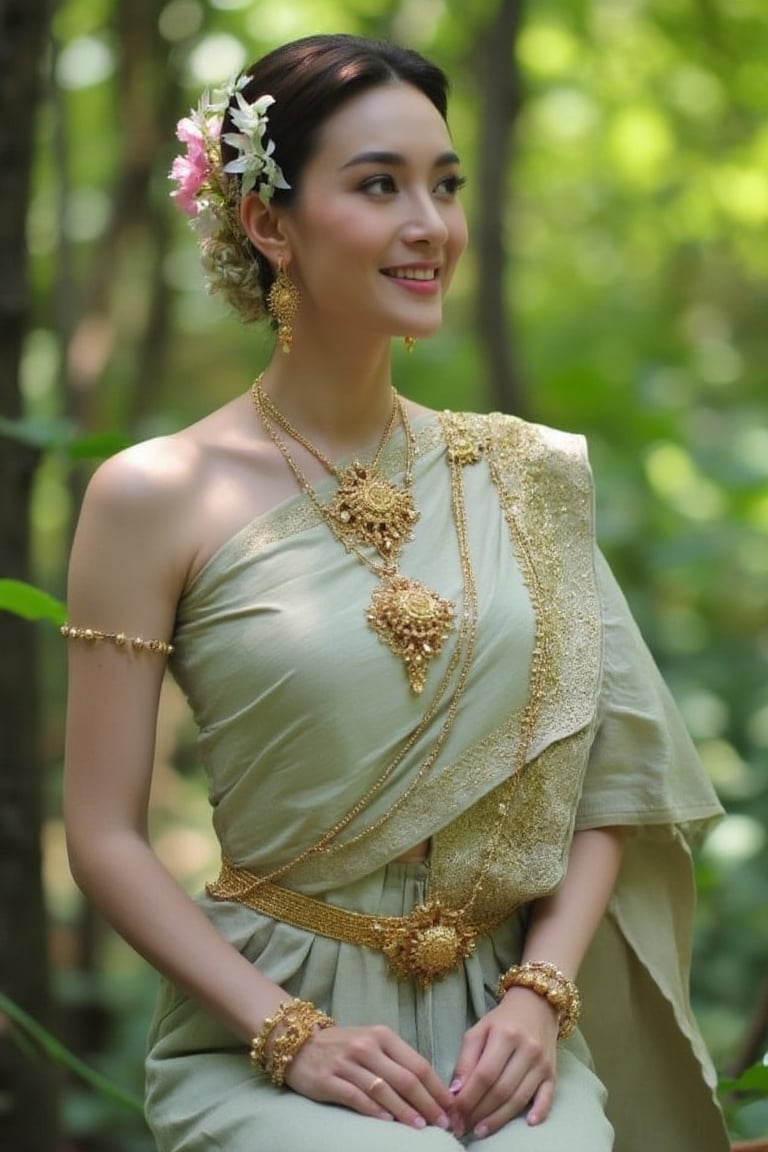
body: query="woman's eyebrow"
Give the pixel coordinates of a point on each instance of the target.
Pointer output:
(396, 159)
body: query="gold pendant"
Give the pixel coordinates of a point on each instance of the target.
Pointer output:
(370, 508)
(413, 621)
(428, 943)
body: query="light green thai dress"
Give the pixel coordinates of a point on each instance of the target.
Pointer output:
(562, 717)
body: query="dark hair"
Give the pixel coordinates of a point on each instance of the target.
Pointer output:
(309, 80)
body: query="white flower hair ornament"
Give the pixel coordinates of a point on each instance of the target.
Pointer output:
(255, 164)
(211, 201)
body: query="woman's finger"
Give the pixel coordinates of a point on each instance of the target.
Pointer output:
(502, 1105)
(371, 1071)
(412, 1093)
(542, 1103)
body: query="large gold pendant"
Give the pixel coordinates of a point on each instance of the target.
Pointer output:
(428, 943)
(370, 508)
(413, 621)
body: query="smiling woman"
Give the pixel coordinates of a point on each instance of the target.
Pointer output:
(445, 774)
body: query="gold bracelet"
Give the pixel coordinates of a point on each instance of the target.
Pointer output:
(298, 1018)
(259, 1042)
(548, 981)
(119, 639)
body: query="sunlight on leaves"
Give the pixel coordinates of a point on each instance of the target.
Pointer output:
(735, 839)
(180, 19)
(676, 479)
(697, 93)
(87, 214)
(215, 59)
(758, 512)
(742, 193)
(417, 21)
(729, 772)
(641, 143)
(565, 112)
(40, 363)
(85, 62)
(718, 362)
(548, 49)
(757, 727)
(706, 714)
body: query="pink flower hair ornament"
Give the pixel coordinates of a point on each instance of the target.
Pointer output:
(209, 191)
(198, 173)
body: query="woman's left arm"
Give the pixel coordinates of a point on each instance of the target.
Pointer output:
(508, 1059)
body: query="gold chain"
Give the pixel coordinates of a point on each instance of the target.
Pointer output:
(462, 654)
(269, 416)
(434, 937)
(264, 400)
(411, 619)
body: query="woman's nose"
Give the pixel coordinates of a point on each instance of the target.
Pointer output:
(426, 222)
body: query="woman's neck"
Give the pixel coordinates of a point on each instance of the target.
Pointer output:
(339, 399)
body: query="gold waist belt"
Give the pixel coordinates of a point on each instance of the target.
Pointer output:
(427, 944)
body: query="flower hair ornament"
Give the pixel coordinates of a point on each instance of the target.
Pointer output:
(209, 193)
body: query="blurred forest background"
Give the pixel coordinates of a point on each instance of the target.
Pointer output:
(617, 155)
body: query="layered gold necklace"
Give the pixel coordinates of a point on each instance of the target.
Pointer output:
(369, 512)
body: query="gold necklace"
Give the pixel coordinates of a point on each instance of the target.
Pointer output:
(411, 619)
(453, 683)
(434, 937)
(367, 506)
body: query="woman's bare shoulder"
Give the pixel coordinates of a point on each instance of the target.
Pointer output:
(136, 479)
(162, 474)
(155, 496)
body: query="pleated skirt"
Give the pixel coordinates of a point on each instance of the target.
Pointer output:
(203, 1095)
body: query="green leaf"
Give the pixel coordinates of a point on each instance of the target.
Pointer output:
(62, 436)
(44, 434)
(753, 1079)
(56, 1051)
(31, 603)
(97, 446)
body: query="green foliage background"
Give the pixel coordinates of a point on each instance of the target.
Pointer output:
(637, 238)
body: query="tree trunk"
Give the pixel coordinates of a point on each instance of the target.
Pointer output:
(500, 102)
(27, 1118)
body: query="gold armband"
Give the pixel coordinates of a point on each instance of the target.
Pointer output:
(119, 639)
(548, 981)
(294, 1022)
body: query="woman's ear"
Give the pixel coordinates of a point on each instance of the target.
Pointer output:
(262, 224)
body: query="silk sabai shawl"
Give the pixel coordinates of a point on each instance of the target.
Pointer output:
(605, 746)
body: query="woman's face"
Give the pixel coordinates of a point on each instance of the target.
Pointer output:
(377, 228)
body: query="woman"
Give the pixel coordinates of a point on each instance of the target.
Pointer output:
(445, 774)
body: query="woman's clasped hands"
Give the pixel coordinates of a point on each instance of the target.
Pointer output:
(506, 1065)
(372, 1071)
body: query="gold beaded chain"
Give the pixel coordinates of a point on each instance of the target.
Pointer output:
(367, 506)
(119, 639)
(266, 401)
(433, 938)
(461, 659)
(411, 619)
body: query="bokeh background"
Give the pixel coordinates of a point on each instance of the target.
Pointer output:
(617, 156)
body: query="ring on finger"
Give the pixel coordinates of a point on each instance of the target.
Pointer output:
(375, 1083)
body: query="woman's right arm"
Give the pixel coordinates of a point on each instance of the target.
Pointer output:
(130, 560)
(128, 565)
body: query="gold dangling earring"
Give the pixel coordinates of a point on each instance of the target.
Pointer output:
(410, 343)
(283, 303)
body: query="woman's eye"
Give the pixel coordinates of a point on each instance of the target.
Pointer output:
(451, 185)
(379, 185)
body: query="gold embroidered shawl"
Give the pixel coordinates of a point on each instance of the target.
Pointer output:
(291, 738)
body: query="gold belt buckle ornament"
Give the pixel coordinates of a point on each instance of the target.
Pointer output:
(428, 943)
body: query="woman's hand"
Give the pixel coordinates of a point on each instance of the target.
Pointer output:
(371, 1071)
(506, 1064)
